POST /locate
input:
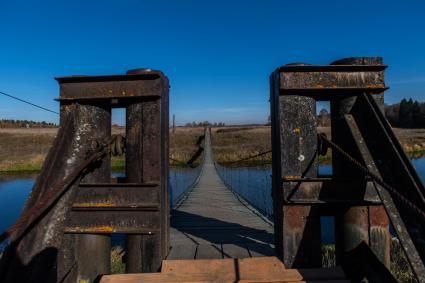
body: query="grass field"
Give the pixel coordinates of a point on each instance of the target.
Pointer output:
(184, 143)
(231, 145)
(24, 150)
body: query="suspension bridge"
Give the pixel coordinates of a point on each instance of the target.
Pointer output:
(213, 222)
(212, 235)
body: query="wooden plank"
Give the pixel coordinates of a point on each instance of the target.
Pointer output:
(213, 216)
(187, 251)
(235, 250)
(260, 249)
(190, 267)
(262, 269)
(209, 252)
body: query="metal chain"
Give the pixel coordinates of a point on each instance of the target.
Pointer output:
(375, 177)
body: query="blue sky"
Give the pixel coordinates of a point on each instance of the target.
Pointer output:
(217, 54)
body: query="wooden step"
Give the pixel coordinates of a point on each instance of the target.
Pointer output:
(260, 269)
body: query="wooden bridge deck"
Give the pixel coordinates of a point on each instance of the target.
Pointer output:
(212, 222)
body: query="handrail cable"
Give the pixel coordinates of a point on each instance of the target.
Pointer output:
(249, 157)
(27, 102)
(375, 177)
(33, 214)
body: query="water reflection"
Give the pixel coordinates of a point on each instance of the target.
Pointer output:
(15, 189)
(253, 184)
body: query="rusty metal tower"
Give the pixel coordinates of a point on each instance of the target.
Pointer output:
(71, 241)
(367, 164)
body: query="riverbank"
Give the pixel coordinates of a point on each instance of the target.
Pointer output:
(24, 150)
(229, 146)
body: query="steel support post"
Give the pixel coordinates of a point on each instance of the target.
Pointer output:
(359, 224)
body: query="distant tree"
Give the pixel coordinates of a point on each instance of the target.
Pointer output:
(406, 114)
(324, 118)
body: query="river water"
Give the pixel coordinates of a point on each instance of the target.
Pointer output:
(252, 183)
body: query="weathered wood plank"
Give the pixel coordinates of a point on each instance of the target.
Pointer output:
(209, 252)
(187, 251)
(262, 269)
(212, 216)
(235, 251)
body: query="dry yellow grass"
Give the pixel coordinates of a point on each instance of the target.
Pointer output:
(25, 149)
(229, 146)
(184, 142)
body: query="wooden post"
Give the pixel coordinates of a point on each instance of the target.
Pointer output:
(297, 226)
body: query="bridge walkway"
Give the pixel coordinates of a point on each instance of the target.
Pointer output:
(212, 222)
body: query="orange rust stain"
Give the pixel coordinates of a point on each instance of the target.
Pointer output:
(99, 229)
(95, 204)
(378, 216)
(290, 178)
(375, 86)
(296, 217)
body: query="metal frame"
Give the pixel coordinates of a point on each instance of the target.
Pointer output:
(300, 196)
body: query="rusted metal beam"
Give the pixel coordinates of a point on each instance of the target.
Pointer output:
(354, 224)
(91, 251)
(332, 192)
(297, 227)
(123, 195)
(408, 226)
(124, 87)
(38, 243)
(147, 137)
(332, 81)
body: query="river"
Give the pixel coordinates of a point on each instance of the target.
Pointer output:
(252, 183)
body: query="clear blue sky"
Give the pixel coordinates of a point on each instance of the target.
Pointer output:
(217, 54)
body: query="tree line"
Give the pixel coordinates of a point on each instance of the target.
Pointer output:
(204, 124)
(10, 123)
(408, 113)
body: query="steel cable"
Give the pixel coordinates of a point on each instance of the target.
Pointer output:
(27, 102)
(375, 177)
(33, 214)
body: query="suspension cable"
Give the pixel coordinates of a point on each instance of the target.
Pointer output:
(375, 177)
(249, 157)
(33, 214)
(27, 102)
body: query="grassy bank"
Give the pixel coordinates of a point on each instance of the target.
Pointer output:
(184, 144)
(230, 145)
(24, 150)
